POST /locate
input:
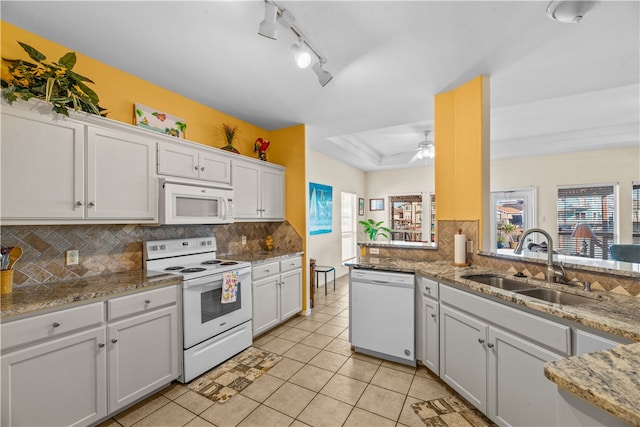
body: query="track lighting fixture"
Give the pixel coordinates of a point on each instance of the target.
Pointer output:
(302, 50)
(570, 11)
(324, 77)
(300, 54)
(268, 27)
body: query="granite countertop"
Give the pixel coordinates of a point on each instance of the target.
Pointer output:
(608, 379)
(256, 257)
(29, 299)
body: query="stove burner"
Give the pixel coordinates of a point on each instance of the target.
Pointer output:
(177, 267)
(213, 261)
(229, 263)
(193, 270)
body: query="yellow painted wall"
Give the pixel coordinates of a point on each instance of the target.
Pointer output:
(119, 91)
(462, 152)
(289, 150)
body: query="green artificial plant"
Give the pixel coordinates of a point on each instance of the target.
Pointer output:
(374, 229)
(53, 82)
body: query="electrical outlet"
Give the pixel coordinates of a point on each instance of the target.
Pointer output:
(374, 260)
(72, 257)
(244, 240)
(374, 251)
(470, 246)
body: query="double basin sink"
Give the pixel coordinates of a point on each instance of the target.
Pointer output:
(549, 295)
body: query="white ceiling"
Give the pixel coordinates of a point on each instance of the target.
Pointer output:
(554, 87)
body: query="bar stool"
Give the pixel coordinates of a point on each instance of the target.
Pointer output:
(325, 269)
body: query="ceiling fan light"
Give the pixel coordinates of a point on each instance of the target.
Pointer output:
(268, 27)
(301, 56)
(324, 77)
(570, 11)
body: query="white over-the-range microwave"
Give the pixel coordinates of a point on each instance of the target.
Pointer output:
(186, 202)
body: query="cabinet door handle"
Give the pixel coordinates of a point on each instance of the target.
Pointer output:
(55, 324)
(79, 203)
(427, 288)
(202, 168)
(433, 316)
(92, 204)
(490, 345)
(114, 340)
(147, 301)
(197, 167)
(101, 345)
(480, 340)
(267, 271)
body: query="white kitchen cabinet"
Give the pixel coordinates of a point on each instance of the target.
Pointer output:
(184, 161)
(519, 393)
(60, 376)
(143, 355)
(428, 319)
(42, 167)
(463, 355)
(493, 355)
(258, 190)
(68, 367)
(56, 170)
(277, 292)
(121, 180)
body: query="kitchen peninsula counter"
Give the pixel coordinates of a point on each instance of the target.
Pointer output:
(608, 379)
(34, 298)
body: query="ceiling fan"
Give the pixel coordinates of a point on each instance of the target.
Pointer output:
(425, 150)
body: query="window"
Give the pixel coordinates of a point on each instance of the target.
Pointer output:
(594, 206)
(635, 213)
(514, 213)
(406, 217)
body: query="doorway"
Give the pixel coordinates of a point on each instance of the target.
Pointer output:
(349, 230)
(514, 211)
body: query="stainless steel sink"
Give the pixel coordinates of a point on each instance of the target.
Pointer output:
(499, 282)
(556, 297)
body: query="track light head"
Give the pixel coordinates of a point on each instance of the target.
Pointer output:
(301, 56)
(268, 27)
(324, 77)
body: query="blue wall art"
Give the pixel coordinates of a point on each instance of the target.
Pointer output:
(320, 208)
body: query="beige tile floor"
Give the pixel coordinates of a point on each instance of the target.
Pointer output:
(319, 382)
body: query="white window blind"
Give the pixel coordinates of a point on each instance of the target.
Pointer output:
(635, 212)
(591, 205)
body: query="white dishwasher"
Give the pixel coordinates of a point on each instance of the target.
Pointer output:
(381, 314)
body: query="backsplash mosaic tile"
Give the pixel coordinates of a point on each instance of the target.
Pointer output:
(115, 248)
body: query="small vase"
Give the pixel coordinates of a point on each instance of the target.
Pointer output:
(231, 148)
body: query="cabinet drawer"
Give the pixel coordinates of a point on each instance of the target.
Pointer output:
(290, 264)
(265, 270)
(50, 325)
(140, 302)
(536, 329)
(428, 287)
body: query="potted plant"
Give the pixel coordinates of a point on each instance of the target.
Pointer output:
(500, 242)
(230, 132)
(53, 82)
(374, 229)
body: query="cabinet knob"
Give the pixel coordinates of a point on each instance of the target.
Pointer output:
(79, 203)
(147, 301)
(55, 324)
(433, 316)
(427, 288)
(490, 345)
(114, 340)
(101, 345)
(267, 271)
(202, 168)
(480, 340)
(92, 204)
(197, 167)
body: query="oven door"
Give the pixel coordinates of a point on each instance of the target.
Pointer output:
(204, 314)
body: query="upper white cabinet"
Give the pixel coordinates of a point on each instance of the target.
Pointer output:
(187, 162)
(258, 191)
(57, 170)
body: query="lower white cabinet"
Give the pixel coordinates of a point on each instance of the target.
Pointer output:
(428, 320)
(277, 292)
(487, 359)
(74, 367)
(143, 355)
(60, 382)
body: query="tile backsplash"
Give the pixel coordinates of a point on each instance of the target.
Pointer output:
(113, 248)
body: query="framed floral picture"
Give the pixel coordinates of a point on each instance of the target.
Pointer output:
(360, 206)
(158, 121)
